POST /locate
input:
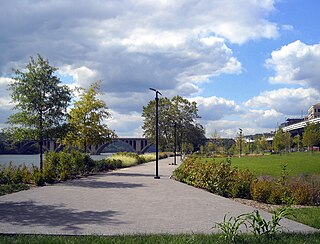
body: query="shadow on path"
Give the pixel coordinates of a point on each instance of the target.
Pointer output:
(92, 183)
(131, 174)
(29, 214)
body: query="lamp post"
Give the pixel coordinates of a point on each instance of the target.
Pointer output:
(157, 133)
(240, 148)
(175, 144)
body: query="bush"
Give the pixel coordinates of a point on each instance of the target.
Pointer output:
(242, 180)
(261, 190)
(26, 174)
(148, 157)
(37, 176)
(220, 178)
(301, 192)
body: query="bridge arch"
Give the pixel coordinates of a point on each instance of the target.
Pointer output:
(29, 144)
(147, 147)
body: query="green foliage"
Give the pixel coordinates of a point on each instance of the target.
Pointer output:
(261, 190)
(176, 113)
(308, 216)
(220, 178)
(260, 226)
(13, 174)
(283, 238)
(11, 188)
(41, 101)
(37, 176)
(224, 179)
(301, 193)
(62, 166)
(230, 228)
(311, 135)
(86, 118)
(279, 141)
(148, 157)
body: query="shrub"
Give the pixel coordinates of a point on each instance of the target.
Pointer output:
(26, 174)
(37, 176)
(78, 162)
(242, 180)
(220, 178)
(278, 194)
(261, 190)
(301, 192)
(148, 157)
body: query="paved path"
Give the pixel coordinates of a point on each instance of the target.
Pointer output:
(124, 201)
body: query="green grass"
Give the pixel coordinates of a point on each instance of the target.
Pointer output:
(297, 164)
(127, 161)
(165, 238)
(307, 216)
(148, 157)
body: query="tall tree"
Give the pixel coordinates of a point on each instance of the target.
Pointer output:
(311, 135)
(279, 141)
(86, 120)
(263, 144)
(287, 140)
(297, 142)
(41, 101)
(176, 113)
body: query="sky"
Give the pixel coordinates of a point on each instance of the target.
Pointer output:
(248, 64)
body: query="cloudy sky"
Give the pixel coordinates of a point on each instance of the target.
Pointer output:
(247, 63)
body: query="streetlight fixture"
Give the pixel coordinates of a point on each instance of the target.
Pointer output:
(240, 148)
(157, 133)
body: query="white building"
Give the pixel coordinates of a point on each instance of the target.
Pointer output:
(314, 111)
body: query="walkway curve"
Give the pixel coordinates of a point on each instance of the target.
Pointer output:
(126, 201)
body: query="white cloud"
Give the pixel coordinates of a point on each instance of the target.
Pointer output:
(83, 76)
(133, 45)
(287, 101)
(296, 63)
(126, 125)
(214, 108)
(5, 99)
(264, 118)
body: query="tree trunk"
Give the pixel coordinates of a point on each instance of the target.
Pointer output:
(41, 142)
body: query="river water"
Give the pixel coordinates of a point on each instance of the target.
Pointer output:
(18, 159)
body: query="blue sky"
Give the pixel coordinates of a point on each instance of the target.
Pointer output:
(247, 63)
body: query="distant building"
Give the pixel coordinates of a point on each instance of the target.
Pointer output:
(314, 111)
(291, 122)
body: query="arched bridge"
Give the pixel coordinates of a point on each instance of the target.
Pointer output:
(138, 145)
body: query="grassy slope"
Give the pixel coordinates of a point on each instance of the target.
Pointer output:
(308, 216)
(297, 164)
(195, 238)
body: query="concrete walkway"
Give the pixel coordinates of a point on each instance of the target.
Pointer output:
(124, 201)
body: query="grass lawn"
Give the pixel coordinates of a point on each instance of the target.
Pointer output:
(165, 238)
(297, 164)
(308, 216)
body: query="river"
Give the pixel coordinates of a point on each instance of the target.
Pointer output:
(19, 159)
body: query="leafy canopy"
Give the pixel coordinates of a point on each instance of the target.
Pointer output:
(176, 113)
(41, 102)
(86, 120)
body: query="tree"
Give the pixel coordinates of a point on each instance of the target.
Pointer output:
(278, 141)
(311, 135)
(240, 143)
(263, 144)
(297, 142)
(176, 113)
(287, 140)
(41, 100)
(86, 120)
